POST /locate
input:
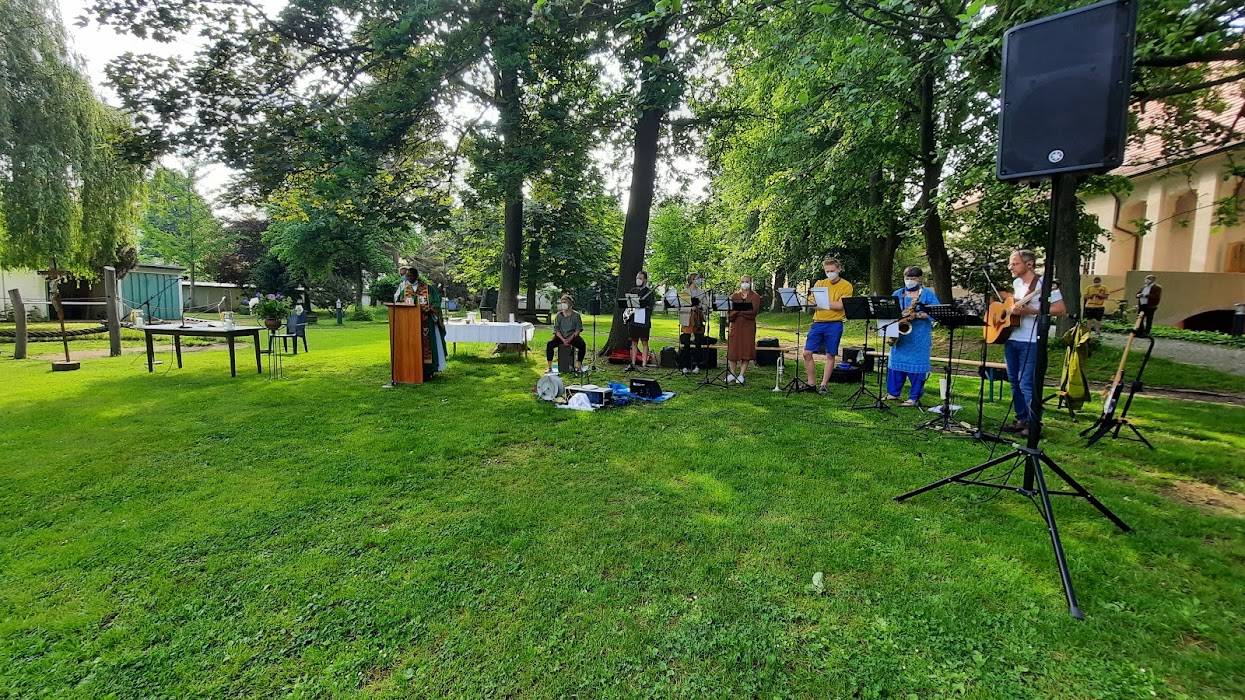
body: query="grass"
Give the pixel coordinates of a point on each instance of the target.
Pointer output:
(183, 533)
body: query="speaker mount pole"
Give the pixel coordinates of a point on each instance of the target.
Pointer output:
(1034, 486)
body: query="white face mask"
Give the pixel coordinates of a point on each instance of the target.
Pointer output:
(745, 285)
(639, 281)
(698, 281)
(911, 283)
(562, 306)
(832, 276)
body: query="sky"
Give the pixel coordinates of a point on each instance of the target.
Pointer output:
(96, 46)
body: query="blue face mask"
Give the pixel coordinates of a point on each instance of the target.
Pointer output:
(911, 283)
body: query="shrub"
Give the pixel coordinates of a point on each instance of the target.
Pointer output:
(1207, 337)
(272, 306)
(360, 313)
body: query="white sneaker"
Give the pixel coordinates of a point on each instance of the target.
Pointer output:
(739, 380)
(553, 371)
(730, 378)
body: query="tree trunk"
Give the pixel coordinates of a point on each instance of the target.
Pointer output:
(779, 280)
(931, 177)
(358, 292)
(643, 176)
(882, 247)
(509, 110)
(1066, 261)
(533, 260)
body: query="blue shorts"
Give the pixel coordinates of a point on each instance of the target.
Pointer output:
(824, 334)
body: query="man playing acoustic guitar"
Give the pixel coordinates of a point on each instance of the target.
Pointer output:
(1020, 351)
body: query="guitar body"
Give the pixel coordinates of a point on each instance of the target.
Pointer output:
(999, 320)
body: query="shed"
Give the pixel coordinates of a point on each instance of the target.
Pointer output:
(155, 289)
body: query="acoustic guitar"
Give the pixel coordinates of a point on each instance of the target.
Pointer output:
(999, 317)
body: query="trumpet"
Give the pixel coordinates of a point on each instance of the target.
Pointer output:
(904, 325)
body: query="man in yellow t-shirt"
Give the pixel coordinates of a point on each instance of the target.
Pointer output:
(827, 328)
(1095, 304)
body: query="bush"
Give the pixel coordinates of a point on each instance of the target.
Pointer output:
(1207, 337)
(360, 313)
(383, 288)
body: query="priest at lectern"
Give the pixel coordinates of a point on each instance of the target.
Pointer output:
(414, 290)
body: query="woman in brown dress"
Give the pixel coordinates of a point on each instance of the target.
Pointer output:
(741, 346)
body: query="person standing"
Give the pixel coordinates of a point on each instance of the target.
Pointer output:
(741, 345)
(1148, 299)
(827, 329)
(1020, 350)
(692, 325)
(909, 358)
(414, 290)
(568, 329)
(1096, 304)
(639, 330)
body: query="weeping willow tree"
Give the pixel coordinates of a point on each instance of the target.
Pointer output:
(70, 175)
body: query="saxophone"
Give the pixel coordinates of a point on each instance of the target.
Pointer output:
(904, 325)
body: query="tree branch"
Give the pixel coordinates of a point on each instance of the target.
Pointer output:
(1178, 60)
(1186, 89)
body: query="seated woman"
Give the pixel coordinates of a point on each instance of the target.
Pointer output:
(568, 329)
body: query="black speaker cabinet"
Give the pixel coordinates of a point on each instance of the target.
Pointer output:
(1064, 102)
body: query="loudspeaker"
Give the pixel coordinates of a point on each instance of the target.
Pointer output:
(1066, 80)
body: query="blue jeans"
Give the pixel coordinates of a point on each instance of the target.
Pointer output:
(1021, 360)
(916, 383)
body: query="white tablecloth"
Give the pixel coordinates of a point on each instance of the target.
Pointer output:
(459, 332)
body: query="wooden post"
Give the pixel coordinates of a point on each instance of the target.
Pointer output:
(19, 318)
(113, 313)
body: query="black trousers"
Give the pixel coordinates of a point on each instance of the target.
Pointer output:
(578, 343)
(1147, 318)
(692, 353)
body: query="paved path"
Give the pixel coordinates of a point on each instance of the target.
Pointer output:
(1220, 357)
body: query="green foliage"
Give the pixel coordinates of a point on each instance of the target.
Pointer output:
(362, 313)
(178, 226)
(384, 287)
(1207, 337)
(273, 305)
(69, 186)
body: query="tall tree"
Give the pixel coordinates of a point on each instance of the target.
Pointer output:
(178, 225)
(69, 183)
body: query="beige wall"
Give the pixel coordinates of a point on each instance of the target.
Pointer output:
(1187, 294)
(1179, 204)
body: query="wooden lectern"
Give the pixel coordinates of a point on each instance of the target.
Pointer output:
(406, 347)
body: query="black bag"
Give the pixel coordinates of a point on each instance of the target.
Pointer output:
(669, 357)
(767, 358)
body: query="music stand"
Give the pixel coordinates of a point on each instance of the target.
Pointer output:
(950, 316)
(791, 299)
(721, 302)
(868, 309)
(594, 308)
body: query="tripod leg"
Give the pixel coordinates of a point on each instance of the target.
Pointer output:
(1139, 435)
(1048, 514)
(958, 476)
(1076, 485)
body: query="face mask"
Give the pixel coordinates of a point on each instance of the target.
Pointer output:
(562, 306)
(745, 285)
(832, 276)
(698, 281)
(639, 281)
(911, 283)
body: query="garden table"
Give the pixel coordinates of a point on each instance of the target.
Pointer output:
(202, 331)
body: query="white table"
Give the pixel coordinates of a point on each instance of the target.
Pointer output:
(488, 332)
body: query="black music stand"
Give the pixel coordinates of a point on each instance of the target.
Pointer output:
(594, 308)
(868, 309)
(791, 299)
(722, 303)
(950, 316)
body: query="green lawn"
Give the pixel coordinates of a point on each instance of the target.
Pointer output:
(183, 533)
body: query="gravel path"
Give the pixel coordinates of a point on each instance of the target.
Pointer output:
(1224, 359)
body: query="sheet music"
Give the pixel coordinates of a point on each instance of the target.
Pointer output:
(821, 296)
(641, 316)
(790, 298)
